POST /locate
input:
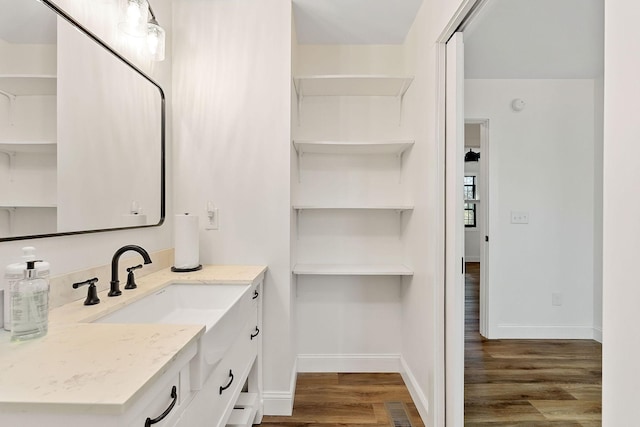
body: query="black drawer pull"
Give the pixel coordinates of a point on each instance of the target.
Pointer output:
(174, 396)
(253, 335)
(230, 382)
(255, 294)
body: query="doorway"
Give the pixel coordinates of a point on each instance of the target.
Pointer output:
(539, 236)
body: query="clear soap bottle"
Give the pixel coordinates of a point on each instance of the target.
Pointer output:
(29, 305)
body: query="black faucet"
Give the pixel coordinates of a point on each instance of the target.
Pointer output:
(115, 283)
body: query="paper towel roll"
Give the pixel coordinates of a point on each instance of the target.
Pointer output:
(186, 242)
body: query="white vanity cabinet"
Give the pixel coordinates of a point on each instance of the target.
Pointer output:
(212, 403)
(240, 369)
(127, 394)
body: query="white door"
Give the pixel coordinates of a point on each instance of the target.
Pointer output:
(454, 232)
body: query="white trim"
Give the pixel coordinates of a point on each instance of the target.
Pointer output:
(450, 411)
(419, 399)
(597, 334)
(454, 229)
(349, 363)
(439, 354)
(463, 12)
(506, 331)
(281, 402)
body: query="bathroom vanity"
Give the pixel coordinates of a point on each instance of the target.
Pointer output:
(183, 349)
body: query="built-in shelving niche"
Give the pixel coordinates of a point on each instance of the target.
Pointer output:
(351, 85)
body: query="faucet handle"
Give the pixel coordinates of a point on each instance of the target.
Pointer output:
(92, 292)
(131, 280)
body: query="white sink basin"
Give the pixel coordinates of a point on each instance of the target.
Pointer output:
(221, 308)
(180, 304)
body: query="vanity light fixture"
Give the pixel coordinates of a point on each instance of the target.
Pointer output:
(138, 20)
(134, 15)
(155, 37)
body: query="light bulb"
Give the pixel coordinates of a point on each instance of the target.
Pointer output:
(134, 16)
(152, 42)
(155, 41)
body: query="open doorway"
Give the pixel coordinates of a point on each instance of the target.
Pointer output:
(546, 179)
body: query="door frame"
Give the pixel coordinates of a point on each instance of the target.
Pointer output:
(451, 402)
(483, 192)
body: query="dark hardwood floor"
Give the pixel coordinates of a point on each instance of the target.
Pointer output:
(351, 400)
(507, 383)
(528, 382)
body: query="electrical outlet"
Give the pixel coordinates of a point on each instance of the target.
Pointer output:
(556, 299)
(519, 217)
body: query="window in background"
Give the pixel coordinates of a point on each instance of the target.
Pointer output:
(469, 194)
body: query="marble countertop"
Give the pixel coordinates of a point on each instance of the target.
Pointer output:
(87, 367)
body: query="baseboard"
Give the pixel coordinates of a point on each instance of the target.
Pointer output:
(349, 363)
(472, 259)
(597, 334)
(419, 399)
(543, 332)
(281, 402)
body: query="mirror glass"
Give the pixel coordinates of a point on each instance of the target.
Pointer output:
(81, 130)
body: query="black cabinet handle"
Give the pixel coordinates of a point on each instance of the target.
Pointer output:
(228, 385)
(174, 396)
(253, 335)
(255, 294)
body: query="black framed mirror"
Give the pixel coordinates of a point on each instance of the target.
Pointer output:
(82, 130)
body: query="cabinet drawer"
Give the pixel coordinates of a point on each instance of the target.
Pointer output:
(160, 397)
(238, 363)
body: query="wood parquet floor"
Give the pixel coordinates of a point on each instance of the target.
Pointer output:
(528, 382)
(345, 400)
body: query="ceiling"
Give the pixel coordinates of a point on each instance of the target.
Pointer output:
(354, 21)
(536, 39)
(27, 21)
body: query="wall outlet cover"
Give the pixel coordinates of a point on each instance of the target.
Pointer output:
(519, 217)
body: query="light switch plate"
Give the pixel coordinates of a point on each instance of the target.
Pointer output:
(519, 217)
(213, 221)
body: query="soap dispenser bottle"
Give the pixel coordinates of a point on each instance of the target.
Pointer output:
(15, 272)
(29, 305)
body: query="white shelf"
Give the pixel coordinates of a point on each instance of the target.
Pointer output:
(27, 206)
(352, 270)
(28, 84)
(352, 85)
(28, 146)
(396, 147)
(398, 208)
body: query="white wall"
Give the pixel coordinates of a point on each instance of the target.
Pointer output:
(232, 77)
(598, 206)
(621, 344)
(542, 162)
(423, 296)
(72, 253)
